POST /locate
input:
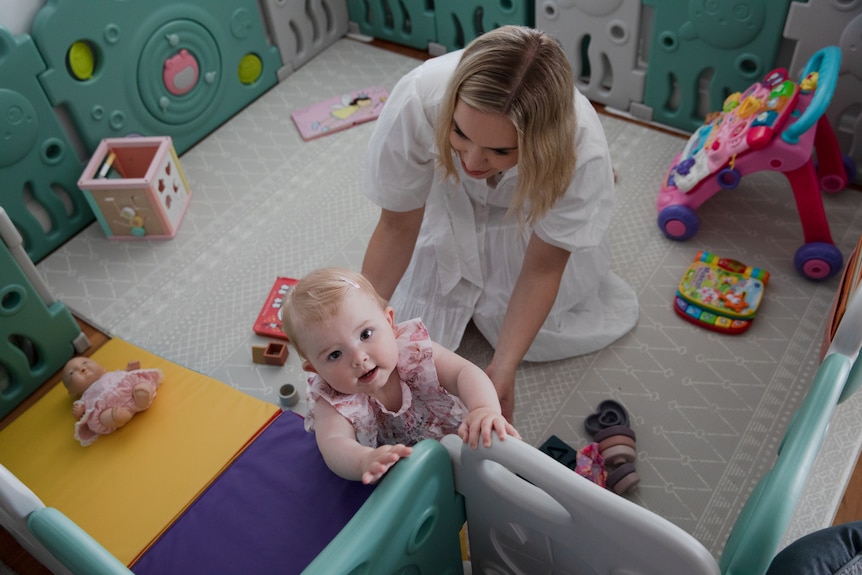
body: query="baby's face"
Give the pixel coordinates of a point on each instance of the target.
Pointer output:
(80, 373)
(354, 351)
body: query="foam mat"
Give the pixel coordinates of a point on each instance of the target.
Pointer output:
(130, 485)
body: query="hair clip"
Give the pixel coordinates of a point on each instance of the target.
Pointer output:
(351, 282)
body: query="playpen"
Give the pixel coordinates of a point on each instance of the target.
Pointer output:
(88, 70)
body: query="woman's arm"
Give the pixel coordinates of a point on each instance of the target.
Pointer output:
(345, 456)
(390, 249)
(466, 380)
(531, 301)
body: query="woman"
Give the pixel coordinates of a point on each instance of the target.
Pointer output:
(496, 191)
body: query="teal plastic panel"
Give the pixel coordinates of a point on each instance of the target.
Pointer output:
(407, 22)
(409, 524)
(71, 545)
(459, 21)
(701, 51)
(36, 337)
(39, 167)
(155, 68)
(757, 532)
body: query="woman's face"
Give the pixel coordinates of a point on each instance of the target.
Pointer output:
(486, 143)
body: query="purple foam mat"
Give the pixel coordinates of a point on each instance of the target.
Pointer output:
(272, 511)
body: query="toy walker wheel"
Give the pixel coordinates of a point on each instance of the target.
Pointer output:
(818, 261)
(678, 222)
(728, 178)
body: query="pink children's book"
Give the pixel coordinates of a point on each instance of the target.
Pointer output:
(340, 112)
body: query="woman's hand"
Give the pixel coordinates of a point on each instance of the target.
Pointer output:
(504, 383)
(482, 422)
(378, 461)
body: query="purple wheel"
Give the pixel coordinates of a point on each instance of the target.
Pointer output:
(678, 222)
(728, 178)
(818, 261)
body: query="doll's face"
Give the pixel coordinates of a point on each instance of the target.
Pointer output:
(80, 373)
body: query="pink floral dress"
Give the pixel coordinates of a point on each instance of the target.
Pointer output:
(114, 389)
(427, 410)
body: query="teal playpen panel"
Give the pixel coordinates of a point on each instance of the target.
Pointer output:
(39, 167)
(459, 21)
(816, 23)
(156, 68)
(37, 334)
(407, 22)
(409, 524)
(701, 51)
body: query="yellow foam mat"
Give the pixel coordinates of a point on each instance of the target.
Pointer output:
(130, 485)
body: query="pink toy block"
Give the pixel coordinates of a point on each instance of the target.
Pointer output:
(136, 187)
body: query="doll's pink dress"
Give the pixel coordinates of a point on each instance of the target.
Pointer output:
(427, 410)
(114, 389)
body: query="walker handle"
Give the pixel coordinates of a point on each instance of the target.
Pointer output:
(826, 62)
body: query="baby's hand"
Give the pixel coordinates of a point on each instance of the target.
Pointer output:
(77, 410)
(381, 459)
(483, 421)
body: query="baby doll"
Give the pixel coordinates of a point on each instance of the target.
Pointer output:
(106, 401)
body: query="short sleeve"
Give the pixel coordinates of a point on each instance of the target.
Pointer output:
(401, 155)
(580, 219)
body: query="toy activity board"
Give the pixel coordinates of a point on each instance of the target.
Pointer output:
(340, 112)
(720, 294)
(268, 322)
(137, 188)
(156, 68)
(774, 125)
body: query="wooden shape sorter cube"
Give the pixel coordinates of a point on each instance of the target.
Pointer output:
(136, 187)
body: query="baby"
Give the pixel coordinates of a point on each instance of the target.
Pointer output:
(380, 387)
(106, 401)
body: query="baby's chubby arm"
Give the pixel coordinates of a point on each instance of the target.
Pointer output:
(345, 456)
(472, 385)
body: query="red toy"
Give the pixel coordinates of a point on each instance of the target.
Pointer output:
(268, 322)
(774, 125)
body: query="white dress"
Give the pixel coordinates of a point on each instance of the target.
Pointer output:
(469, 253)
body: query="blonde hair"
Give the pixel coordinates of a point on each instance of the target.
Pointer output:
(523, 74)
(317, 298)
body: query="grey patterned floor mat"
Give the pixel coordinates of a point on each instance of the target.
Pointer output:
(709, 410)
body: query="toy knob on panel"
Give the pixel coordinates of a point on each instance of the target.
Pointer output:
(181, 73)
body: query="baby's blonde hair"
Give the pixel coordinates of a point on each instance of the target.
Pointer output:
(523, 74)
(317, 298)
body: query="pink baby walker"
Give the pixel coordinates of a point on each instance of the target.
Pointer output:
(773, 125)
